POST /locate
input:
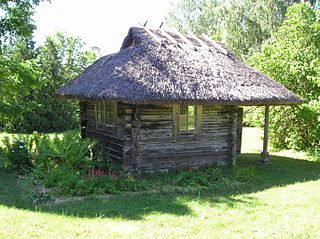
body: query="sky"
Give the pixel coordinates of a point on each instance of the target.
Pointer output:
(101, 23)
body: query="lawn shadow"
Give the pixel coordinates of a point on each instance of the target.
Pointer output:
(132, 207)
(282, 171)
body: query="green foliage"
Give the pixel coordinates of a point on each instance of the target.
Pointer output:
(69, 152)
(29, 79)
(61, 165)
(201, 178)
(242, 174)
(292, 57)
(241, 25)
(253, 116)
(15, 154)
(16, 19)
(83, 186)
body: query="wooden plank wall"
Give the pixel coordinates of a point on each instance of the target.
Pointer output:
(144, 137)
(110, 138)
(159, 149)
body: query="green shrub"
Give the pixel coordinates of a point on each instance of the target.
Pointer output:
(15, 154)
(297, 128)
(253, 116)
(292, 57)
(69, 151)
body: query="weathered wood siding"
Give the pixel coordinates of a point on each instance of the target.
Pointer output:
(161, 147)
(146, 136)
(109, 138)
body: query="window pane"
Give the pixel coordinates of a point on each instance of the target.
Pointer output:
(183, 110)
(191, 118)
(191, 111)
(187, 117)
(104, 113)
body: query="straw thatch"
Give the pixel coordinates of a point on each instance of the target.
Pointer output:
(156, 66)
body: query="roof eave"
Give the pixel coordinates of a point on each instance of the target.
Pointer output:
(186, 101)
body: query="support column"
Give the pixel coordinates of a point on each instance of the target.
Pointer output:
(264, 157)
(233, 135)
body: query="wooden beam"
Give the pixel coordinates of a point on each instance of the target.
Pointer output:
(183, 38)
(168, 36)
(153, 36)
(264, 158)
(201, 43)
(214, 44)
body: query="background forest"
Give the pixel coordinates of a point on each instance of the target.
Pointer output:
(278, 37)
(29, 76)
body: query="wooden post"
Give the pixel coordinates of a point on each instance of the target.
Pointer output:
(233, 135)
(264, 157)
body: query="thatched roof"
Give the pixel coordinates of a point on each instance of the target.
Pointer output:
(157, 66)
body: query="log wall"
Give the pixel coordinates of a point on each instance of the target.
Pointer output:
(162, 147)
(146, 137)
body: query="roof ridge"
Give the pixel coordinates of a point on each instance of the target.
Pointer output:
(138, 35)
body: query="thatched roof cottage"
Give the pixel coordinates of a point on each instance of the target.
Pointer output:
(168, 100)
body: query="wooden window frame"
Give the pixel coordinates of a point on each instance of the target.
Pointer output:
(189, 120)
(105, 114)
(196, 131)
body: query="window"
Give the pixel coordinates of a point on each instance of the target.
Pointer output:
(187, 121)
(187, 117)
(105, 113)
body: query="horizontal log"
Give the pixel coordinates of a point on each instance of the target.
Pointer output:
(173, 163)
(157, 117)
(106, 136)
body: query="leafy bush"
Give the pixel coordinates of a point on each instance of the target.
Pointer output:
(15, 154)
(292, 57)
(69, 151)
(297, 128)
(253, 116)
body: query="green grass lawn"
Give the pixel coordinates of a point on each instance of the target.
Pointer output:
(283, 203)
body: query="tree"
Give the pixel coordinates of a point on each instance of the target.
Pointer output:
(16, 27)
(16, 19)
(29, 77)
(30, 80)
(292, 57)
(241, 25)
